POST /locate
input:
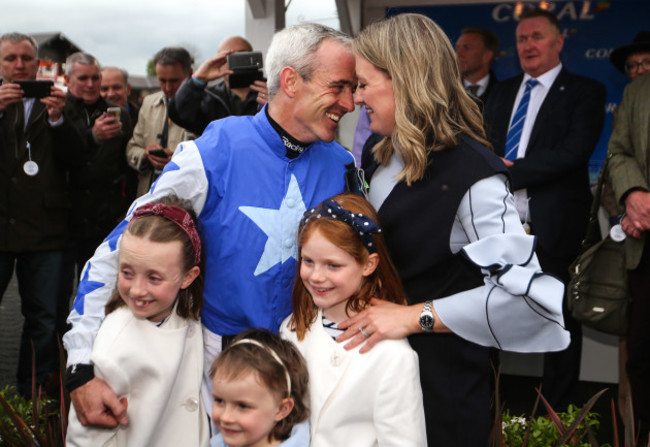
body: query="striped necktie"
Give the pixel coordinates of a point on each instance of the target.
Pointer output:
(514, 132)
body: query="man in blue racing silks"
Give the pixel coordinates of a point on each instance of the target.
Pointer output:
(250, 179)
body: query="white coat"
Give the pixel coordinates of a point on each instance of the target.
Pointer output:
(361, 400)
(158, 370)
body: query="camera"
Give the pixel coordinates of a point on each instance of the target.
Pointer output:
(247, 68)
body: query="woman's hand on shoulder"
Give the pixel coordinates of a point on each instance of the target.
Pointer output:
(380, 321)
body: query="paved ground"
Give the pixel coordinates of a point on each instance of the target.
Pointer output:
(11, 323)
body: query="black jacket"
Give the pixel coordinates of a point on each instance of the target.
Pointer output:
(194, 107)
(98, 186)
(34, 210)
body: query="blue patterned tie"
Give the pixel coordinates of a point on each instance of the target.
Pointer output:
(514, 132)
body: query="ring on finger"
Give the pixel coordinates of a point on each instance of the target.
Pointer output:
(363, 332)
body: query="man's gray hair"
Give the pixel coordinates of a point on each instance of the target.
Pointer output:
(79, 58)
(122, 71)
(296, 47)
(19, 37)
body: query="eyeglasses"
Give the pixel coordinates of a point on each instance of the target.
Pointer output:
(632, 67)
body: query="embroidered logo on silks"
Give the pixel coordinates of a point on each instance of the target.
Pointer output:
(291, 145)
(280, 226)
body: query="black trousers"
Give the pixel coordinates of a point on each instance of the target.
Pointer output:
(562, 368)
(638, 341)
(455, 378)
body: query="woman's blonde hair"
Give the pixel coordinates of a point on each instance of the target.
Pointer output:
(432, 106)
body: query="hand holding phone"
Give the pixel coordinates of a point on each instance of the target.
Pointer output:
(246, 67)
(114, 112)
(35, 89)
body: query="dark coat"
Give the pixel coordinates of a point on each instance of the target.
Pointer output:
(194, 107)
(34, 210)
(492, 82)
(98, 187)
(555, 168)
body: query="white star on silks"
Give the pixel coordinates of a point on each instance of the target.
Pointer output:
(280, 226)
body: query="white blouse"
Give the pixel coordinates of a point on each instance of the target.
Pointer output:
(518, 307)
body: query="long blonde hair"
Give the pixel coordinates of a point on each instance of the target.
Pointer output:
(432, 106)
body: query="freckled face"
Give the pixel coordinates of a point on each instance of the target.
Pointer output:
(331, 275)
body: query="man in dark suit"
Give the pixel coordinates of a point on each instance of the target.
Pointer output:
(37, 146)
(545, 124)
(476, 49)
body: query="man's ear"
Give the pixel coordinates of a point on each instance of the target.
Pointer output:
(289, 79)
(370, 265)
(285, 408)
(488, 56)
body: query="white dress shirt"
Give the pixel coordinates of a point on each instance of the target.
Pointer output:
(482, 84)
(537, 96)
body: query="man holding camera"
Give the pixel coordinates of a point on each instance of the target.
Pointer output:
(197, 103)
(37, 147)
(155, 136)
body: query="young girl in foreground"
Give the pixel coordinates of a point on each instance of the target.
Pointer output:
(259, 383)
(355, 399)
(149, 347)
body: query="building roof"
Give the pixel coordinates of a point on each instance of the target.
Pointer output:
(54, 46)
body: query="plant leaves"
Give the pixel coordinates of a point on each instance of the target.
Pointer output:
(568, 433)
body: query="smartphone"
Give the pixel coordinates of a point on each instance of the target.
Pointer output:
(159, 153)
(36, 89)
(245, 78)
(114, 111)
(247, 68)
(245, 60)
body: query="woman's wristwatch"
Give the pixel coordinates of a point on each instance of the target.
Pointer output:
(426, 317)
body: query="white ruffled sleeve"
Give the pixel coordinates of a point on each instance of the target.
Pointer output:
(518, 308)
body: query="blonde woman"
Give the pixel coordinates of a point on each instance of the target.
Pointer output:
(469, 269)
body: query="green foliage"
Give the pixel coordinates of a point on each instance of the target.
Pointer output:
(543, 431)
(151, 69)
(24, 422)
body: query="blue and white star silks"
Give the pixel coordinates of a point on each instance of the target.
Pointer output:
(85, 287)
(274, 224)
(244, 189)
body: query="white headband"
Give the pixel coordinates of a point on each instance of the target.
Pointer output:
(273, 354)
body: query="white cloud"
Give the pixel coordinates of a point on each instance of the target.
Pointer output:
(128, 33)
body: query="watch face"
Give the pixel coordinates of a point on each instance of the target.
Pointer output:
(426, 321)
